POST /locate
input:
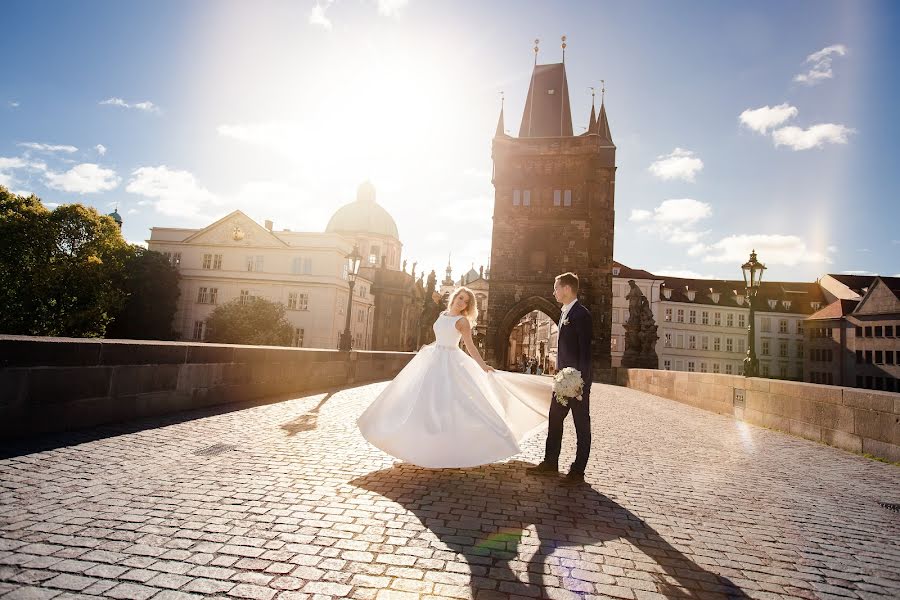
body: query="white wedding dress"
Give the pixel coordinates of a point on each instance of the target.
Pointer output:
(443, 410)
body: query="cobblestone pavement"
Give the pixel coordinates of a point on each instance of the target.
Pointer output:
(287, 501)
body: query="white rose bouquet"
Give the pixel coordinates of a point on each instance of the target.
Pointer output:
(567, 383)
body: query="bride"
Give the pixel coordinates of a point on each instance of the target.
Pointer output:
(447, 408)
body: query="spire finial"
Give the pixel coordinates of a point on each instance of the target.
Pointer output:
(500, 125)
(564, 49)
(536, 42)
(593, 95)
(602, 91)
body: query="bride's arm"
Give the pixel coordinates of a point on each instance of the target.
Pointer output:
(463, 326)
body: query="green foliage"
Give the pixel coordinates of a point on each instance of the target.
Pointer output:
(257, 321)
(68, 272)
(151, 287)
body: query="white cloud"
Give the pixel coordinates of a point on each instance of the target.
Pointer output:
(674, 220)
(682, 210)
(858, 273)
(639, 214)
(86, 178)
(8, 165)
(317, 14)
(51, 148)
(772, 249)
(101, 149)
(145, 106)
(679, 164)
(821, 65)
(51, 205)
(803, 139)
(681, 273)
(762, 119)
(172, 192)
(13, 104)
(391, 8)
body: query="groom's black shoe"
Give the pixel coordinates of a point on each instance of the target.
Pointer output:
(573, 478)
(543, 469)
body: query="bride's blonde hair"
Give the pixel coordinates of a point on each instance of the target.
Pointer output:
(471, 312)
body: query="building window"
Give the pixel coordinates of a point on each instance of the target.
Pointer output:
(889, 357)
(517, 197)
(255, 263)
(799, 327)
(679, 341)
(297, 338)
(740, 369)
(174, 258)
(765, 324)
(668, 340)
(728, 369)
(717, 344)
(703, 367)
(302, 265)
(782, 370)
(245, 296)
(741, 345)
(374, 255)
(859, 357)
(704, 342)
(704, 318)
(557, 197)
(344, 272)
(799, 349)
(567, 198)
(764, 369)
(765, 347)
(868, 332)
(199, 330)
(868, 355)
(742, 320)
(668, 315)
(526, 198)
(783, 349)
(729, 345)
(692, 342)
(217, 262)
(692, 317)
(715, 367)
(690, 366)
(203, 296)
(717, 319)
(615, 343)
(207, 261)
(679, 315)
(729, 320)
(879, 357)
(859, 332)
(782, 326)
(667, 365)
(878, 331)
(888, 331)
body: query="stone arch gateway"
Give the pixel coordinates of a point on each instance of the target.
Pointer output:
(553, 212)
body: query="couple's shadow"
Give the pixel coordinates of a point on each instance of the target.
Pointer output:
(484, 514)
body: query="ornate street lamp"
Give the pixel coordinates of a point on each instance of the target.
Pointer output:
(352, 271)
(753, 273)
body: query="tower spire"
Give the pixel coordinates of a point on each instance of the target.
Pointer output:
(500, 128)
(592, 124)
(603, 122)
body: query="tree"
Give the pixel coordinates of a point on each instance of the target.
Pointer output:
(61, 271)
(151, 287)
(257, 321)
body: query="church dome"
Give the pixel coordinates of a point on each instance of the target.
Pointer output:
(363, 216)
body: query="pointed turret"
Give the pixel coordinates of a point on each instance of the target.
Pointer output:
(592, 124)
(603, 125)
(500, 128)
(547, 111)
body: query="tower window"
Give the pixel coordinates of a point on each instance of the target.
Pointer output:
(557, 197)
(517, 197)
(567, 198)
(526, 198)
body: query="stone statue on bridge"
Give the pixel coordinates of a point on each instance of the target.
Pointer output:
(433, 304)
(640, 332)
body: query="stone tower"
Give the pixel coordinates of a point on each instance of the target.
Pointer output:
(553, 212)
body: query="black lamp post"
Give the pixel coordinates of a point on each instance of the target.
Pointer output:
(352, 270)
(753, 273)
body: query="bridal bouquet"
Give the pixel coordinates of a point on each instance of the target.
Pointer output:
(567, 383)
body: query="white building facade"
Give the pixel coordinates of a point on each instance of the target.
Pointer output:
(649, 285)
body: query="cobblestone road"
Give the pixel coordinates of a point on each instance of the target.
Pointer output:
(287, 501)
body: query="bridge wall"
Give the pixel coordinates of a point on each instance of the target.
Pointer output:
(59, 384)
(858, 420)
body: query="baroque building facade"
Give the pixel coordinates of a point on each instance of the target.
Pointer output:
(237, 258)
(553, 212)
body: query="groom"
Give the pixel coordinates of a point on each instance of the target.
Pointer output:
(574, 350)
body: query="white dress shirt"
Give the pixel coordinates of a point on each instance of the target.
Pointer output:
(565, 311)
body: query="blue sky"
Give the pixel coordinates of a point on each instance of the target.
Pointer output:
(764, 124)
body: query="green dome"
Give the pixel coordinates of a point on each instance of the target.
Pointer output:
(363, 216)
(115, 216)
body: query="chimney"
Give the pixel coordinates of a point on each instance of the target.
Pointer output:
(269, 225)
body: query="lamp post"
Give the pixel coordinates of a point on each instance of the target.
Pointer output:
(753, 273)
(352, 270)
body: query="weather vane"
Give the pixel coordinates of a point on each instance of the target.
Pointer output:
(602, 91)
(536, 42)
(593, 94)
(564, 48)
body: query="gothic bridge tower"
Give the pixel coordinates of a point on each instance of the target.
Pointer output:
(553, 212)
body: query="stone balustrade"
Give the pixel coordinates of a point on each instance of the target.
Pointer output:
(59, 384)
(857, 420)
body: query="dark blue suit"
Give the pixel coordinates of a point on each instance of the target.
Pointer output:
(573, 350)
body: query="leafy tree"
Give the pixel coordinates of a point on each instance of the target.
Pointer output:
(257, 321)
(151, 287)
(61, 272)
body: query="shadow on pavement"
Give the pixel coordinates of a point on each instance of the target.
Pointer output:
(308, 420)
(42, 442)
(483, 514)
